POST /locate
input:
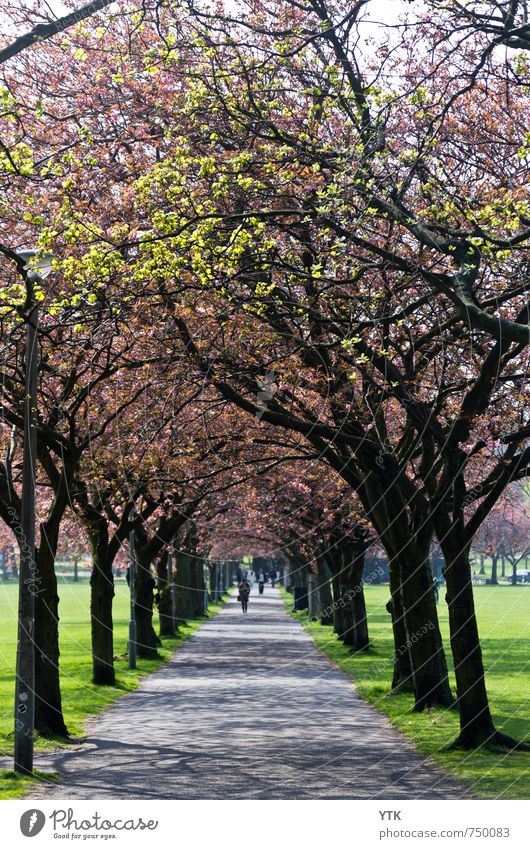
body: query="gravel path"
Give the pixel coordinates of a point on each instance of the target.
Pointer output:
(246, 708)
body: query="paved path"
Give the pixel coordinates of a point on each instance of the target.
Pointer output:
(246, 708)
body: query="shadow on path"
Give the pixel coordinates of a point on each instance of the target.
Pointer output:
(246, 708)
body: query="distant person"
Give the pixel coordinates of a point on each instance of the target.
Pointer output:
(244, 592)
(436, 588)
(261, 582)
(273, 576)
(251, 577)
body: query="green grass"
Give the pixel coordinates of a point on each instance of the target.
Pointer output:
(504, 621)
(81, 699)
(488, 567)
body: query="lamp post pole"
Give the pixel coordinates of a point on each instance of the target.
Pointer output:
(132, 588)
(28, 580)
(34, 270)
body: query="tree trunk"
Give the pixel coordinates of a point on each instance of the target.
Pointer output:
(338, 600)
(183, 604)
(101, 596)
(164, 598)
(214, 579)
(355, 619)
(402, 673)
(324, 592)
(482, 570)
(49, 720)
(198, 586)
(287, 583)
(476, 724)
(424, 640)
(408, 554)
(147, 640)
(299, 583)
(494, 558)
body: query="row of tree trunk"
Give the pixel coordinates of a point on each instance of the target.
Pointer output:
(175, 585)
(419, 659)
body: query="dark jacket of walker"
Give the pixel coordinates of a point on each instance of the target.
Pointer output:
(244, 590)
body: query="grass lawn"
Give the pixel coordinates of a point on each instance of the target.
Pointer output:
(80, 697)
(523, 564)
(504, 621)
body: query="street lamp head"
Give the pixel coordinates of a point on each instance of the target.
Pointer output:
(38, 265)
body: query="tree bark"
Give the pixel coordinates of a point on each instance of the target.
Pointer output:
(101, 596)
(408, 554)
(183, 603)
(402, 672)
(103, 552)
(198, 586)
(214, 579)
(324, 591)
(338, 590)
(355, 618)
(494, 558)
(424, 640)
(164, 598)
(299, 582)
(147, 640)
(476, 724)
(49, 719)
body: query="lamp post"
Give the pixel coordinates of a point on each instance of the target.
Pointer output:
(36, 268)
(132, 588)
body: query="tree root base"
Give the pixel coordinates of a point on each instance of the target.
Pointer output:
(493, 742)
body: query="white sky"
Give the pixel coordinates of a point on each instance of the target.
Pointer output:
(379, 10)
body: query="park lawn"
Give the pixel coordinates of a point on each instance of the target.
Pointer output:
(81, 699)
(504, 621)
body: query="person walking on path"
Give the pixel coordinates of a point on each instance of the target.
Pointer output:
(273, 577)
(244, 592)
(261, 582)
(436, 587)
